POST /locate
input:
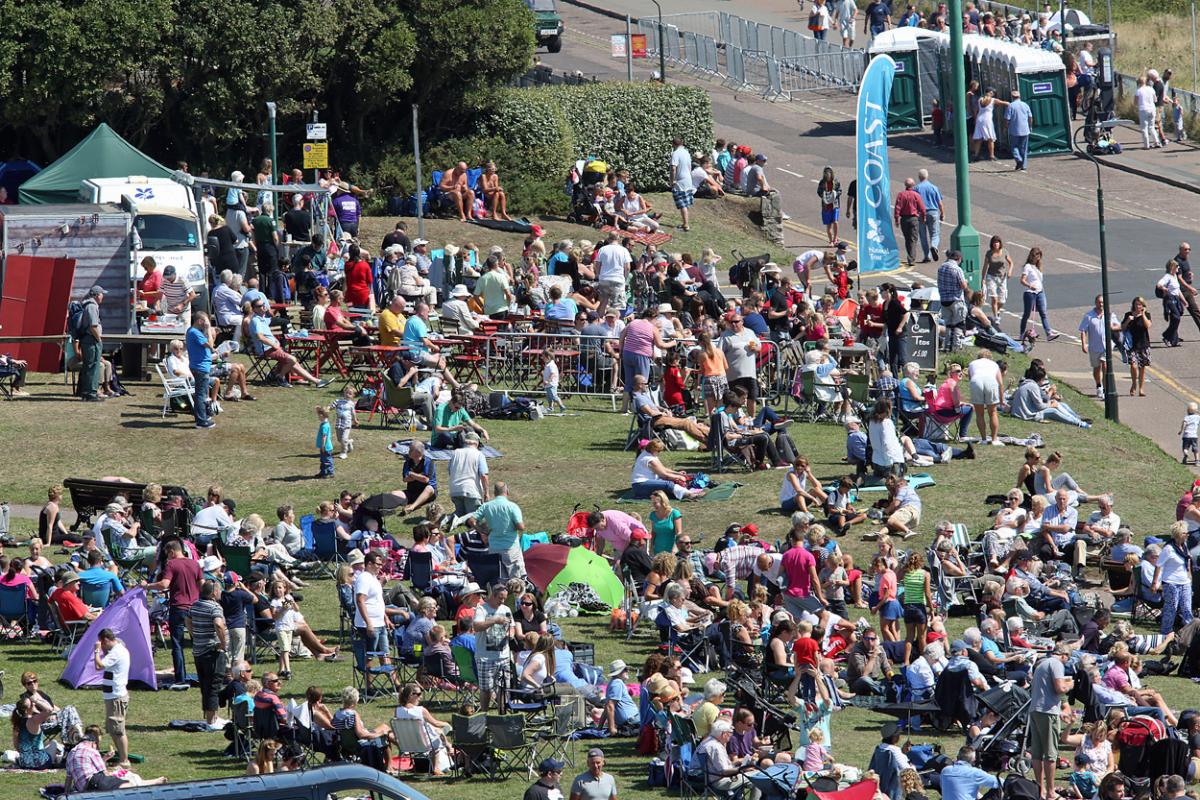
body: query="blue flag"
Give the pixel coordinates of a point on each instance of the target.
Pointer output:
(877, 249)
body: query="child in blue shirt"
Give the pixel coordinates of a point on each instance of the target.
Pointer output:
(856, 446)
(324, 443)
(1083, 781)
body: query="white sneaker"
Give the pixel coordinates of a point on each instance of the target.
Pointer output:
(1099, 392)
(997, 443)
(349, 445)
(343, 454)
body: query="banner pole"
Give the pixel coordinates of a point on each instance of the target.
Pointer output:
(965, 238)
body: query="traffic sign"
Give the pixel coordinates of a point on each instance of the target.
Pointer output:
(315, 130)
(316, 155)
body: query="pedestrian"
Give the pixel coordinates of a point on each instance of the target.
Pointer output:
(493, 623)
(938, 121)
(112, 660)
(1189, 429)
(987, 392)
(1160, 103)
(1035, 294)
(844, 13)
(830, 192)
(895, 318)
(1169, 290)
(1048, 685)
(88, 340)
(550, 378)
(818, 20)
(1143, 99)
(1135, 328)
(200, 344)
(852, 203)
(909, 211)
(547, 785)
(1020, 122)
(181, 579)
(985, 126)
(595, 783)
(1092, 340)
(324, 443)
(931, 226)
(505, 524)
(1173, 577)
(952, 288)
(468, 476)
(877, 18)
(1187, 286)
(343, 409)
(210, 649)
(682, 190)
(997, 269)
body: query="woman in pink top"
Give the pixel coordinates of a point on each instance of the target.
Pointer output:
(638, 341)
(948, 401)
(888, 608)
(614, 527)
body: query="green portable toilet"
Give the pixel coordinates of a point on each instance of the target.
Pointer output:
(905, 108)
(1041, 79)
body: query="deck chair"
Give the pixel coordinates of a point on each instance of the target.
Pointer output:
(724, 458)
(264, 644)
(951, 591)
(412, 739)
(14, 612)
(236, 558)
(95, 596)
(556, 741)
(374, 680)
(484, 567)
(691, 647)
(174, 388)
(511, 744)
(471, 743)
(641, 426)
(420, 571)
(242, 745)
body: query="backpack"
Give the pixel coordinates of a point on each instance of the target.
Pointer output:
(1140, 731)
(76, 315)
(1017, 788)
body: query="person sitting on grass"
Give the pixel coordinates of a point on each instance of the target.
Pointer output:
(451, 422)
(839, 507)
(650, 475)
(86, 771)
(420, 476)
(800, 488)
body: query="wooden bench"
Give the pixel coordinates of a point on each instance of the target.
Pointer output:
(89, 496)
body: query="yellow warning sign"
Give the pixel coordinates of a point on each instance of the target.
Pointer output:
(316, 155)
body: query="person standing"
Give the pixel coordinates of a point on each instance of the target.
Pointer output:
(1020, 122)
(210, 648)
(175, 296)
(371, 622)
(1187, 285)
(199, 341)
(1091, 328)
(952, 284)
(613, 260)
(844, 13)
(997, 269)
(877, 18)
(931, 226)
(494, 627)
(505, 526)
(113, 661)
(830, 192)
(1136, 324)
(88, 345)
(741, 347)
(987, 392)
(468, 476)
(910, 214)
(595, 784)
(1171, 292)
(682, 190)
(1035, 293)
(266, 245)
(1143, 99)
(818, 20)
(181, 579)
(895, 319)
(1049, 684)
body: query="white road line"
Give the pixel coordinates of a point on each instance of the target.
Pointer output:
(1080, 264)
(789, 172)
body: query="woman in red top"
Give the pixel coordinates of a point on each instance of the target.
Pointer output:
(336, 319)
(870, 318)
(358, 280)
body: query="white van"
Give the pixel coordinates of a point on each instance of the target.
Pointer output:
(165, 225)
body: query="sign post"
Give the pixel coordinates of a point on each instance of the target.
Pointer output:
(629, 49)
(964, 238)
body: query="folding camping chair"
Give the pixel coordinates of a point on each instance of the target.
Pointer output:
(952, 591)
(93, 595)
(396, 403)
(939, 423)
(691, 647)
(420, 571)
(804, 391)
(723, 456)
(65, 632)
(442, 687)
(325, 545)
(243, 732)
(484, 567)
(510, 742)
(641, 426)
(174, 388)
(264, 644)
(14, 612)
(556, 741)
(236, 558)
(412, 740)
(471, 744)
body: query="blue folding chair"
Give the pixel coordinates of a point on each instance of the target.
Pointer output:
(94, 595)
(14, 612)
(325, 545)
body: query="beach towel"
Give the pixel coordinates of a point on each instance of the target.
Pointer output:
(716, 493)
(400, 448)
(656, 239)
(917, 480)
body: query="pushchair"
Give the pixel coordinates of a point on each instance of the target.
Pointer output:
(1002, 748)
(746, 272)
(578, 531)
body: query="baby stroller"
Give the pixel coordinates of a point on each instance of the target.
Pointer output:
(1002, 748)
(745, 273)
(578, 532)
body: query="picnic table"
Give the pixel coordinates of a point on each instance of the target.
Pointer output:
(330, 350)
(305, 349)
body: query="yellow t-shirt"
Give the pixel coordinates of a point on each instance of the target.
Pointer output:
(704, 716)
(391, 328)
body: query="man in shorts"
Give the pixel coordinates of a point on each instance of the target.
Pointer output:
(113, 661)
(741, 348)
(1049, 684)
(1091, 329)
(683, 192)
(493, 628)
(903, 511)
(267, 346)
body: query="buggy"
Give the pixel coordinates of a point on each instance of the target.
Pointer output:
(1003, 747)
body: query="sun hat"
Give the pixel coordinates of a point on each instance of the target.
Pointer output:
(355, 557)
(210, 564)
(460, 290)
(617, 667)
(666, 308)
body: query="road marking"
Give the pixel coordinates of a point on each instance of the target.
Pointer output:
(1080, 264)
(789, 172)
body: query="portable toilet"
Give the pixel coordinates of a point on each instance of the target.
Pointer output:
(906, 109)
(1041, 78)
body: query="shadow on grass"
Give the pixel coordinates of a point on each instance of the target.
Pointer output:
(297, 478)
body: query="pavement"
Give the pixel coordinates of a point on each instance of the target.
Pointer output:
(1052, 206)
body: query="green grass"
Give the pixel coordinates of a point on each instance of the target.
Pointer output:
(262, 453)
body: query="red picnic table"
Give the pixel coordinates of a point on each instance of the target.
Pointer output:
(330, 350)
(306, 349)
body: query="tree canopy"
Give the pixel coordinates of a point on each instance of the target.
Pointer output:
(189, 80)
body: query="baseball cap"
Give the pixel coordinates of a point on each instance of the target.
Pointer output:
(550, 765)
(639, 534)
(958, 645)
(595, 752)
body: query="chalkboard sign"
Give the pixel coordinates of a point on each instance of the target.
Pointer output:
(922, 340)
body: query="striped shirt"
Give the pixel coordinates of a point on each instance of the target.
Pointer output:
(738, 562)
(205, 614)
(173, 293)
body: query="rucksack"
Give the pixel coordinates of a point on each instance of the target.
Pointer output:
(1140, 731)
(1018, 788)
(76, 316)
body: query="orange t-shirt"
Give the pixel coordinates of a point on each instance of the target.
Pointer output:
(711, 366)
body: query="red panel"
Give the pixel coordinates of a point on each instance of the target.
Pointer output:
(36, 293)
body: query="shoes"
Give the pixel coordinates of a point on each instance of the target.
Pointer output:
(94, 399)
(934, 252)
(321, 384)
(179, 687)
(1099, 392)
(20, 393)
(909, 534)
(343, 455)
(349, 445)
(997, 443)
(206, 425)
(421, 426)
(970, 452)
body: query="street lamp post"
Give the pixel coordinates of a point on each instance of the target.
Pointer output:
(274, 160)
(964, 238)
(1110, 378)
(662, 45)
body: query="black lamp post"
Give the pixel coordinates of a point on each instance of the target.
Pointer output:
(1110, 378)
(662, 46)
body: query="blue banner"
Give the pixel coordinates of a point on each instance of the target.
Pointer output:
(877, 249)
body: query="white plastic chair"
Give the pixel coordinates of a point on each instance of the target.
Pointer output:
(174, 387)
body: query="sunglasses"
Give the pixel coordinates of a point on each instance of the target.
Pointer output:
(682, 543)
(526, 603)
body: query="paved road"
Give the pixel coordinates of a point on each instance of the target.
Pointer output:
(1052, 207)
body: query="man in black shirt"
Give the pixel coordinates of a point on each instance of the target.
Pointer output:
(547, 788)
(895, 319)
(636, 558)
(1186, 287)
(297, 223)
(398, 236)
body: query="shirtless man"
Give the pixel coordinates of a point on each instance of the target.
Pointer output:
(454, 183)
(494, 196)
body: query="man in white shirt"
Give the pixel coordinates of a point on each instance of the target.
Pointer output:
(614, 261)
(112, 659)
(455, 310)
(214, 517)
(370, 618)
(1144, 100)
(468, 476)
(844, 12)
(682, 190)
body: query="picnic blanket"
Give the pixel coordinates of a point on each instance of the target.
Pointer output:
(917, 480)
(400, 448)
(715, 493)
(656, 239)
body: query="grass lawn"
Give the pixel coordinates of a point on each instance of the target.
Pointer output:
(263, 454)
